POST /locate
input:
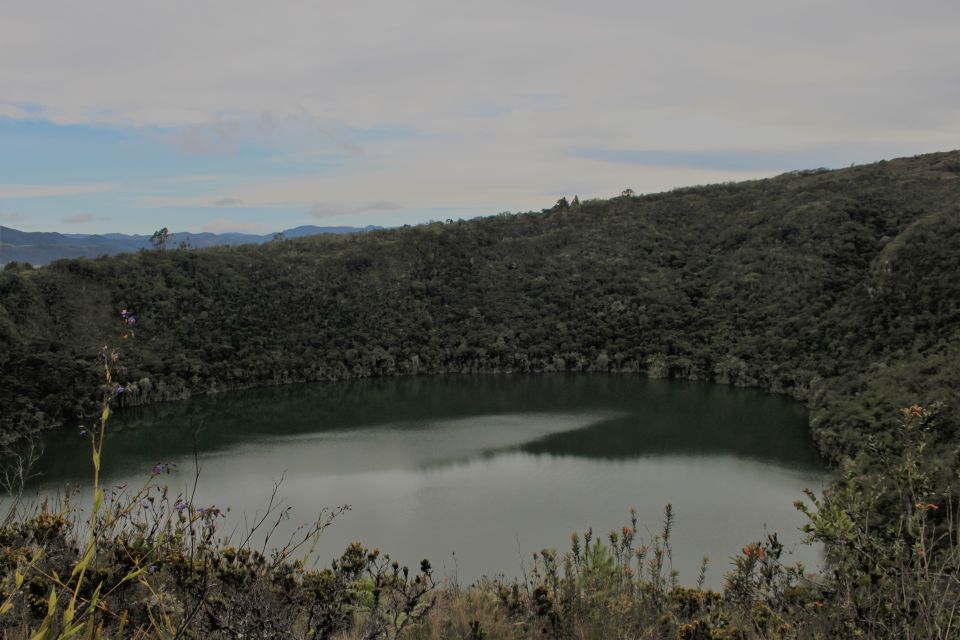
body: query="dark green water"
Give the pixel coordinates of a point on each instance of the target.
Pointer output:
(487, 467)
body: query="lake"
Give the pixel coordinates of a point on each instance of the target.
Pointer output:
(478, 472)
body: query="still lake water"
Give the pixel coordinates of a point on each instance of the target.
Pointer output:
(489, 468)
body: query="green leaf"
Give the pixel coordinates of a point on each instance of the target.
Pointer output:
(72, 631)
(132, 575)
(44, 630)
(97, 500)
(87, 557)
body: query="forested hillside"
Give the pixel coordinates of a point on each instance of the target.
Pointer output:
(838, 287)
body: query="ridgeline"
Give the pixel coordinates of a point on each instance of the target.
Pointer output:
(840, 288)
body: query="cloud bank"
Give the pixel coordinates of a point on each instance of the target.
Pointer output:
(79, 218)
(487, 106)
(225, 225)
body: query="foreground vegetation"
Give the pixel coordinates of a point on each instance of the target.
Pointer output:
(838, 287)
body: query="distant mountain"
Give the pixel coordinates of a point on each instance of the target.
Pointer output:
(40, 248)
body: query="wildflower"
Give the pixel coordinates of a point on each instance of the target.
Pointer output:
(753, 550)
(627, 532)
(159, 468)
(932, 506)
(180, 505)
(145, 504)
(916, 411)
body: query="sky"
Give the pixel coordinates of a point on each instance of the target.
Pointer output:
(120, 116)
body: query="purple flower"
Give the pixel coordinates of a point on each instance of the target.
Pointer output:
(145, 504)
(180, 505)
(159, 468)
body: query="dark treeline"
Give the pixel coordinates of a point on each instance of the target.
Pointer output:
(840, 288)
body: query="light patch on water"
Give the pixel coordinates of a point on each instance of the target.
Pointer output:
(400, 445)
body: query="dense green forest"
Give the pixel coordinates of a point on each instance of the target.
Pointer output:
(839, 288)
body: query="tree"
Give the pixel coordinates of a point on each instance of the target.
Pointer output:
(159, 238)
(627, 192)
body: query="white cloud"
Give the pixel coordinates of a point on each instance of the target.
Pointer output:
(223, 225)
(79, 218)
(51, 190)
(371, 62)
(227, 202)
(15, 112)
(496, 94)
(11, 216)
(203, 177)
(327, 209)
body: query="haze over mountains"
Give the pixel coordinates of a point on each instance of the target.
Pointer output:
(40, 248)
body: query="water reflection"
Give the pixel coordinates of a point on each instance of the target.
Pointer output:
(474, 464)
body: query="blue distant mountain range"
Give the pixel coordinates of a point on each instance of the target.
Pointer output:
(40, 248)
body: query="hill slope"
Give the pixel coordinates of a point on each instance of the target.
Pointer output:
(838, 287)
(40, 248)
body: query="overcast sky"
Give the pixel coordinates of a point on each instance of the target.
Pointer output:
(117, 115)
